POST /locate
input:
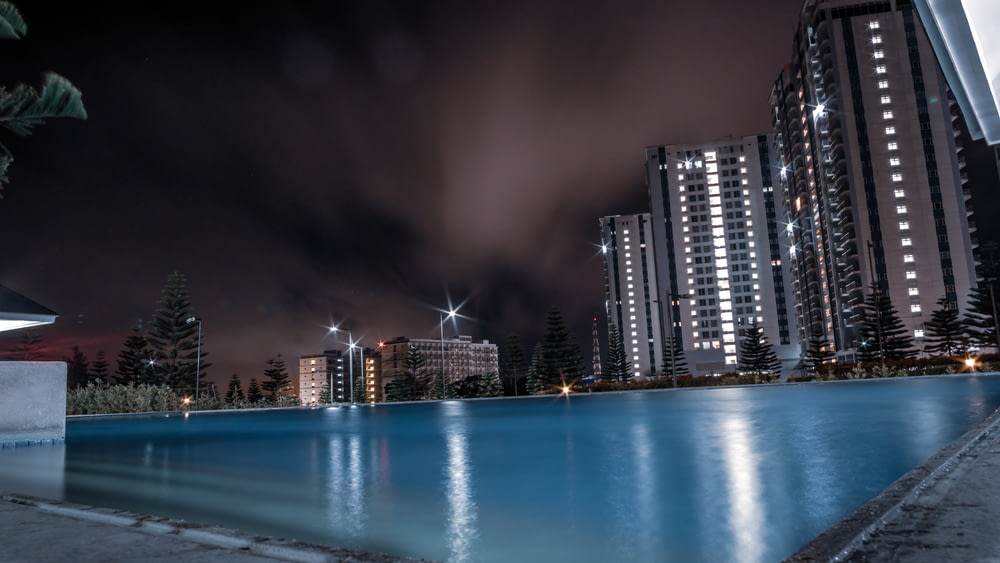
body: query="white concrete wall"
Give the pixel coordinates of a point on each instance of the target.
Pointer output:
(32, 401)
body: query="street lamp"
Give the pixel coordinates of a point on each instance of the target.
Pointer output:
(451, 315)
(197, 376)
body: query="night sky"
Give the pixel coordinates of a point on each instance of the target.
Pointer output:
(356, 162)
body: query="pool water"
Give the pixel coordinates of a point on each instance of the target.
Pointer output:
(719, 474)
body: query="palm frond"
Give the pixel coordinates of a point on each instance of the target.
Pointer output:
(23, 108)
(11, 24)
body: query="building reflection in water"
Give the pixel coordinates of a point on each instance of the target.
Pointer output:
(346, 511)
(462, 513)
(741, 464)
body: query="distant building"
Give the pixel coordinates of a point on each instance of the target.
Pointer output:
(461, 358)
(719, 250)
(317, 371)
(632, 303)
(873, 186)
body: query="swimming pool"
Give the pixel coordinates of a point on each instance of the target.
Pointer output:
(719, 474)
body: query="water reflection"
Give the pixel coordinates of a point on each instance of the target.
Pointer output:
(741, 463)
(35, 470)
(462, 513)
(645, 492)
(345, 507)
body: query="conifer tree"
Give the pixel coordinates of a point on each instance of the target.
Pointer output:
(884, 336)
(174, 337)
(537, 376)
(490, 385)
(818, 352)
(512, 361)
(28, 347)
(277, 382)
(254, 394)
(77, 369)
(404, 387)
(100, 370)
(679, 368)
(944, 334)
(979, 317)
(757, 355)
(135, 361)
(235, 392)
(561, 352)
(616, 368)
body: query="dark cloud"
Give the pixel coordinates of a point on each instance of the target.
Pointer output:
(305, 163)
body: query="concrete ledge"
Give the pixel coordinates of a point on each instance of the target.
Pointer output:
(940, 472)
(32, 403)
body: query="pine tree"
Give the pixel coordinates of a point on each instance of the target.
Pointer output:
(490, 385)
(24, 108)
(671, 346)
(818, 352)
(404, 387)
(325, 398)
(513, 362)
(616, 368)
(135, 361)
(77, 369)
(537, 380)
(28, 347)
(563, 360)
(757, 355)
(174, 336)
(235, 392)
(979, 317)
(100, 370)
(254, 394)
(277, 382)
(944, 334)
(884, 336)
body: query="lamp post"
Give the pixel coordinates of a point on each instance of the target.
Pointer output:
(197, 372)
(451, 315)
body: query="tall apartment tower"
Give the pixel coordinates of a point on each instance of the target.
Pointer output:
(318, 371)
(870, 174)
(720, 249)
(630, 287)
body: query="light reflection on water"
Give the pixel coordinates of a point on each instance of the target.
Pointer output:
(738, 474)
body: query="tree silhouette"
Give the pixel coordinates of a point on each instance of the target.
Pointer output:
(757, 355)
(944, 334)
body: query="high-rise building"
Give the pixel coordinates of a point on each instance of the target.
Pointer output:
(631, 302)
(870, 174)
(317, 371)
(719, 249)
(459, 355)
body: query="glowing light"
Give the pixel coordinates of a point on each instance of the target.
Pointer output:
(819, 111)
(604, 248)
(565, 389)
(970, 363)
(381, 344)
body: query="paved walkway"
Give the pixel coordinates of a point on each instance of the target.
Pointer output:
(40, 531)
(947, 509)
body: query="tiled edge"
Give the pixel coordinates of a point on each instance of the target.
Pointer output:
(30, 443)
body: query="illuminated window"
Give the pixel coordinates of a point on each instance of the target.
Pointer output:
(879, 54)
(887, 114)
(899, 192)
(915, 308)
(873, 24)
(883, 84)
(911, 275)
(880, 69)
(897, 176)
(904, 225)
(906, 242)
(886, 99)
(876, 39)
(893, 145)
(908, 258)
(901, 209)
(890, 130)
(914, 291)
(894, 161)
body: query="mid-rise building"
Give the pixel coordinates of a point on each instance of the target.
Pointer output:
(459, 357)
(718, 248)
(869, 172)
(632, 303)
(317, 372)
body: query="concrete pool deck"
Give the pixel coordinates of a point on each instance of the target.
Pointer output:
(39, 530)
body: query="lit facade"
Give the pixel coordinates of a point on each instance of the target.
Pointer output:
(317, 371)
(718, 248)
(870, 175)
(460, 356)
(632, 304)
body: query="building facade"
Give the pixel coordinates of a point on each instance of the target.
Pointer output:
(459, 356)
(632, 303)
(719, 249)
(317, 371)
(869, 174)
